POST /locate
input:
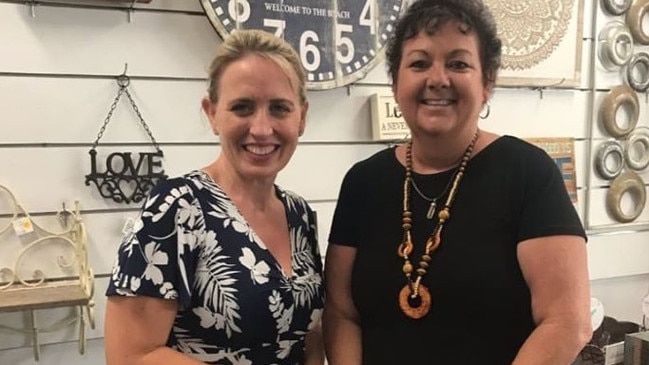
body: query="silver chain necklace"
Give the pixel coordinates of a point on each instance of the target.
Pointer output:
(433, 201)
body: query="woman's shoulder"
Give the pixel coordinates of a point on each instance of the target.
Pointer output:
(291, 196)
(509, 147)
(380, 161)
(178, 186)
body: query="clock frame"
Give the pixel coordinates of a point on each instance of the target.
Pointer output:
(338, 41)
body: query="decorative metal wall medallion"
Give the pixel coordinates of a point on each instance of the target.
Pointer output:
(123, 179)
(530, 29)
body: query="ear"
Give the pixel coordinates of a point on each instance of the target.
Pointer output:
(394, 94)
(209, 109)
(487, 91)
(305, 108)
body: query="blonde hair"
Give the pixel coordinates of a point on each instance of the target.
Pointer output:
(251, 41)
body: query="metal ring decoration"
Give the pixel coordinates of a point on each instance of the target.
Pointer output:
(615, 45)
(619, 95)
(639, 59)
(616, 7)
(634, 17)
(628, 182)
(605, 151)
(638, 136)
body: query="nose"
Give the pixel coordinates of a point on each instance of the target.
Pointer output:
(438, 77)
(261, 124)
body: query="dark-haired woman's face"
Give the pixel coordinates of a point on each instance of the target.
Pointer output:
(439, 85)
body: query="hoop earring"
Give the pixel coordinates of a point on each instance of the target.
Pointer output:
(485, 115)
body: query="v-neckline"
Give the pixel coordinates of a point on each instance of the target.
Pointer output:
(258, 241)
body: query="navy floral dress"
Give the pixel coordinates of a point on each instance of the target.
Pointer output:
(236, 306)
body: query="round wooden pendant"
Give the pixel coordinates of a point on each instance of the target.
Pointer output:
(418, 311)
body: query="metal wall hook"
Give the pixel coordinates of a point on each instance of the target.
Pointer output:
(32, 8)
(64, 216)
(130, 11)
(540, 90)
(123, 80)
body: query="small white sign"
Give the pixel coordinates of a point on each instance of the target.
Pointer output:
(387, 122)
(22, 226)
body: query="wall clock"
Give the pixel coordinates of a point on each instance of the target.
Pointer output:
(338, 41)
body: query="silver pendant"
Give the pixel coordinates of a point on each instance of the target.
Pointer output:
(431, 209)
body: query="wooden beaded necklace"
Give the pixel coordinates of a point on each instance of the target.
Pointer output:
(414, 288)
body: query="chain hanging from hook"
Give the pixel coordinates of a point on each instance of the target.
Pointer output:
(125, 180)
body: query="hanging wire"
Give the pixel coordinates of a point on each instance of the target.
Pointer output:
(123, 81)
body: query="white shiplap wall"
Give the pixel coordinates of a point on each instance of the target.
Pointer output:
(48, 123)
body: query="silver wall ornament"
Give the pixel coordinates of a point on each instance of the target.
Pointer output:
(126, 178)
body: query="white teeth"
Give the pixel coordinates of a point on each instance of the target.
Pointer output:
(259, 150)
(437, 102)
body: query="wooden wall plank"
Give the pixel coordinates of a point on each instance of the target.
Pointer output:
(42, 178)
(82, 41)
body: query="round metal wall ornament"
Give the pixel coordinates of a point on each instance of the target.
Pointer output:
(125, 180)
(628, 182)
(530, 29)
(615, 45)
(638, 65)
(634, 18)
(616, 7)
(638, 140)
(616, 97)
(338, 41)
(609, 150)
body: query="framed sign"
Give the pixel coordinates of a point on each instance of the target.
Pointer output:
(387, 122)
(562, 150)
(339, 41)
(542, 42)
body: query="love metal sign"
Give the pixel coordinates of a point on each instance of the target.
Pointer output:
(125, 179)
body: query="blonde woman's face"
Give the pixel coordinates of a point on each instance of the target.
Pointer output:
(258, 117)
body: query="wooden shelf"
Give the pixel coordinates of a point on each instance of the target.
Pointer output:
(18, 292)
(54, 294)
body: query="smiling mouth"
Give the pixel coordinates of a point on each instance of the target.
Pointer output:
(261, 150)
(437, 102)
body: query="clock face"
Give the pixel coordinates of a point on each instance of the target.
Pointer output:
(338, 41)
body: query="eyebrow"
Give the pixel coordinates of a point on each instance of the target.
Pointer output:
(454, 53)
(246, 99)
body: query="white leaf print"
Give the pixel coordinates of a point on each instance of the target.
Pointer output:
(154, 258)
(174, 194)
(215, 276)
(227, 212)
(284, 348)
(315, 318)
(207, 318)
(168, 291)
(283, 316)
(149, 202)
(258, 270)
(284, 322)
(135, 284)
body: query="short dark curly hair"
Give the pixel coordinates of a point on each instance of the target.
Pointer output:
(429, 15)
